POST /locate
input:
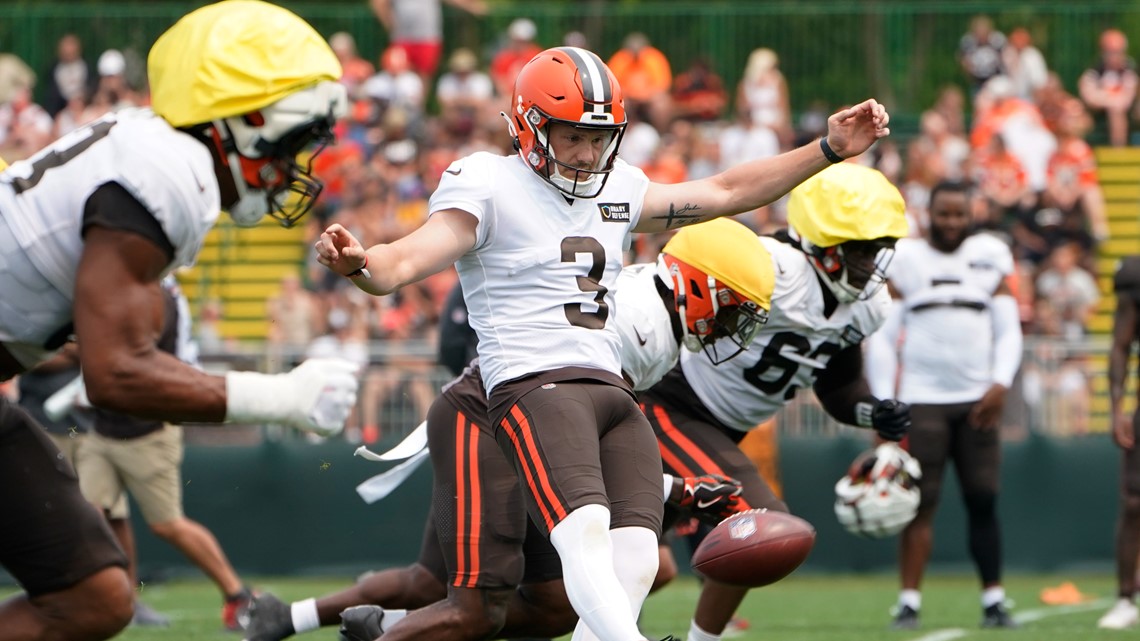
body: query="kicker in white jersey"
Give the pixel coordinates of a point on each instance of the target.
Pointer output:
(539, 282)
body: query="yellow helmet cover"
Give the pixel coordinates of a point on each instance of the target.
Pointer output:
(847, 202)
(234, 57)
(729, 252)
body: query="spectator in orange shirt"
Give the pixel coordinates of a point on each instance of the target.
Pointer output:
(1002, 181)
(520, 49)
(1073, 187)
(645, 78)
(1110, 86)
(698, 93)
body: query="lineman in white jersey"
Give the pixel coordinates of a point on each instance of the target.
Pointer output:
(537, 239)
(843, 224)
(88, 228)
(959, 355)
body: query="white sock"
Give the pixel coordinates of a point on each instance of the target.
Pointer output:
(697, 634)
(635, 563)
(584, 546)
(911, 599)
(305, 615)
(390, 618)
(993, 596)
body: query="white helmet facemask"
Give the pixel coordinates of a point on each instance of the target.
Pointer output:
(261, 149)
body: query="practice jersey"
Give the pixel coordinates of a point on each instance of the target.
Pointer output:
(42, 202)
(539, 281)
(792, 348)
(947, 351)
(649, 348)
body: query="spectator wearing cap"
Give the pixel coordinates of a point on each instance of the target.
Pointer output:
(465, 94)
(113, 91)
(520, 48)
(69, 76)
(1110, 86)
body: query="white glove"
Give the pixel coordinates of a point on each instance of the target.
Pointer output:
(317, 396)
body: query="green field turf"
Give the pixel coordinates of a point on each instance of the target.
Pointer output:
(809, 608)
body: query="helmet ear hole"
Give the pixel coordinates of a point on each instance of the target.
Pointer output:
(695, 289)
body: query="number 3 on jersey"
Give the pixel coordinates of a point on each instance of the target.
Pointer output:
(591, 282)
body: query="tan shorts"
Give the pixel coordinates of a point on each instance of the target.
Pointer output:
(149, 467)
(69, 445)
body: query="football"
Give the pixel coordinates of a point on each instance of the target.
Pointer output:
(754, 548)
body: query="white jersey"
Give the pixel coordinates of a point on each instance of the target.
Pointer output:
(539, 281)
(42, 202)
(649, 348)
(792, 348)
(947, 352)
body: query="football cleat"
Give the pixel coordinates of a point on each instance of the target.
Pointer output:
(147, 617)
(235, 611)
(1121, 616)
(906, 618)
(270, 619)
(996, 616)
(361, 623)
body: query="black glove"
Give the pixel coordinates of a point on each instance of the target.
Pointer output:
(361, 623)
(710, 498)
(891, 419)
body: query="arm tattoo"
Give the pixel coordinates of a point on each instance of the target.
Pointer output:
(680, 217)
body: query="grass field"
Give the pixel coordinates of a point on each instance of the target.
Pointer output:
(809, 608)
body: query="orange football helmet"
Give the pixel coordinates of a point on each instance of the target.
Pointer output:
(571, 86)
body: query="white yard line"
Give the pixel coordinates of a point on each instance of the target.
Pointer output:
(949, 634)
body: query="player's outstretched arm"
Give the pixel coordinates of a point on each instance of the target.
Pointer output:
(754, 184)
(382, 269)
(118, 314)
(843, 392)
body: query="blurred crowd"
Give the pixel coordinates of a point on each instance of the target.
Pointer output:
(1008, 124)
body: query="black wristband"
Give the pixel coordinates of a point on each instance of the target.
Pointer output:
(828, 152)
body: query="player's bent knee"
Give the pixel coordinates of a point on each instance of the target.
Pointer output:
(424, 586)
(96, 608)
(482, 613)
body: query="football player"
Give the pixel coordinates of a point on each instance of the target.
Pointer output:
(88, 228)
(960, 353)
(711, 281)
(842, 227)
(1125, 331)
(537, 239)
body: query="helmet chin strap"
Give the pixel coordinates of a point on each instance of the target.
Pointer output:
(842, 290)
(252, 205)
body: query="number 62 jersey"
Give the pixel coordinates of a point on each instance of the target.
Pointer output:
(803, 331)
